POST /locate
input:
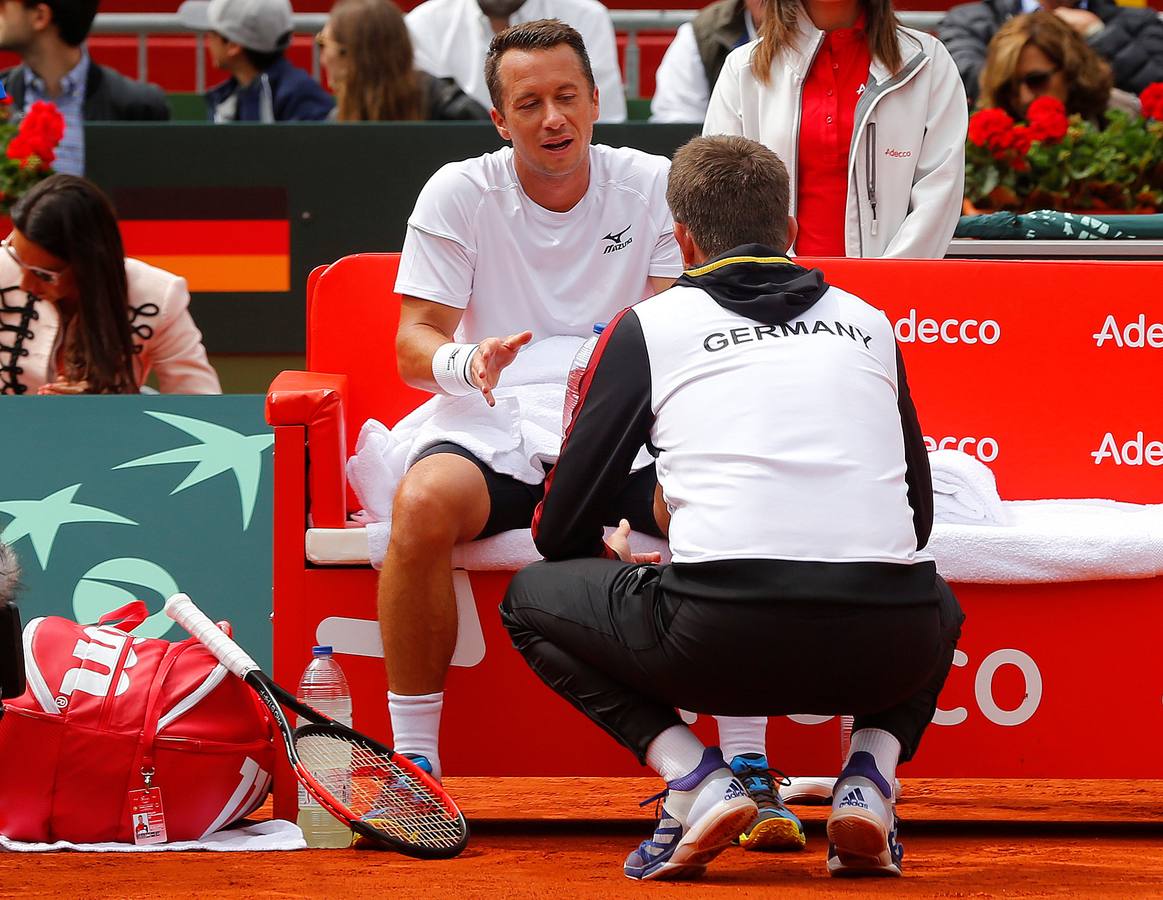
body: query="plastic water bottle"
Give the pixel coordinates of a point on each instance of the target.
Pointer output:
(577, 369)
(324, 687)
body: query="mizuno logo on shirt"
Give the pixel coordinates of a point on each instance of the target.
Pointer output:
(616, 240)
(720, 340)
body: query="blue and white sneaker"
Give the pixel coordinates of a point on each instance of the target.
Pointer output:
(681, 848)
(863, 826)
(775, 827)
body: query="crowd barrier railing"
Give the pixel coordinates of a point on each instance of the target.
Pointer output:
(630, 22)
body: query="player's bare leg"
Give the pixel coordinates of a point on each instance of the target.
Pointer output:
(442, 501)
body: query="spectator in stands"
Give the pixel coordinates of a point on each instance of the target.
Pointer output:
(55, 66)
(1130, 39)
(248, 39)
(83, 319)
(451, 38)
(367, 55)
(871, 116)
(692, 62)
(1039, 55)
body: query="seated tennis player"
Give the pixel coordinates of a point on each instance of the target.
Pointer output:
(793, 467)
(541, 239)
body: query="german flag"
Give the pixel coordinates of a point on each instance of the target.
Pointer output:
(233, 240)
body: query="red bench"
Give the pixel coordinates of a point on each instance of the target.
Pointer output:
(1002, 359)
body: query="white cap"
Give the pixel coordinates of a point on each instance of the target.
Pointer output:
(261, 25)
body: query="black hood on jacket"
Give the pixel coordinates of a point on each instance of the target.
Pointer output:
(754, 281)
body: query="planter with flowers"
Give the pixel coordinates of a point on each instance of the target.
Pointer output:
(1066, 163)
(30, 149)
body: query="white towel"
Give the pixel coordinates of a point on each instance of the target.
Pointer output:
(517, 437)
(1054, 540)
(964, 490)
(507, 551)
(276, 834)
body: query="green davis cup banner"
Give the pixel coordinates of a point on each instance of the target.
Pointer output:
(111, 499)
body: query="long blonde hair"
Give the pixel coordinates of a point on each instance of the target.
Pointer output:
(381, 83)
(780, 20)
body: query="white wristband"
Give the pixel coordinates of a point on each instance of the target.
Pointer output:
(451, 367)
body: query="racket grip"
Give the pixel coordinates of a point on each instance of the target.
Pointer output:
(182, 610)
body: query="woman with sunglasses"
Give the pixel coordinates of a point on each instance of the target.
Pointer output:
(77, 317)
(366, 53)
(868, 116)
(1039, 55)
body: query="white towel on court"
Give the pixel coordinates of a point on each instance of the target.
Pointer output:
(964, 490)
(277, 834)
(1054, 540)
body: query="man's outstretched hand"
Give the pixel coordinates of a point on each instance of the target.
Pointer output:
(492, 356)
(619, 542)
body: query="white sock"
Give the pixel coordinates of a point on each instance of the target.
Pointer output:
(883, 747)
(416, 725)
(675, 753)
(739, 735)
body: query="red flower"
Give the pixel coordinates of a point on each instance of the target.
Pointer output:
(1023, 137)
(1152, 100)
(1047, 118)
(989, 127)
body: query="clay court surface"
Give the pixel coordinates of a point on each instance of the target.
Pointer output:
(567, 837)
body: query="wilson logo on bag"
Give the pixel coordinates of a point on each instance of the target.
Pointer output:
(106, 715)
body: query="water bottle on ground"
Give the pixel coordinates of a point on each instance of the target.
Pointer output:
(576, 370)
(324, 687)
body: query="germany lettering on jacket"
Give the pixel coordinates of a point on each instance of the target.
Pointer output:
(720, 340)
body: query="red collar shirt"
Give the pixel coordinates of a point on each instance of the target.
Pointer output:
(828, 110)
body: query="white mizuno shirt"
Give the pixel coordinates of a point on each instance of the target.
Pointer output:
(475, 241)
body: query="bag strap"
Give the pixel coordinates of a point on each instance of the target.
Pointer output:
(128, 617)
(152, 713)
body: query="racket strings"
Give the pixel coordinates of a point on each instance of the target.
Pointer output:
(380, 792)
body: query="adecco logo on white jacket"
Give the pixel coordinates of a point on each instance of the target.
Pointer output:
(948, 331)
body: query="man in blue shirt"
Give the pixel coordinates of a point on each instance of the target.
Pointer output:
(55, 67)
(248, 38)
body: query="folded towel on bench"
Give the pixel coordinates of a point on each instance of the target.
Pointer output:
(964, 490)
(1054, 540)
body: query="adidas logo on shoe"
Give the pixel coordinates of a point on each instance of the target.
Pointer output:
(735, 789)
(854, 797)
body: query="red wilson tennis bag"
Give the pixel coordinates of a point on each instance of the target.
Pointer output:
(111, 727)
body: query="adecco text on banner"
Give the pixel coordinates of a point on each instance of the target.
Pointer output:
(1134, 452)
(948, 331)
(984, 448)
(1136, 333)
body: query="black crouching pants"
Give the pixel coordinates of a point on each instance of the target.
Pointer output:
(627, 644)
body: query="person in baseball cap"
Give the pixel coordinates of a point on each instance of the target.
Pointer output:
(248, 38)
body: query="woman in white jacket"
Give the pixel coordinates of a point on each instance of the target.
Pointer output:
(869, 117)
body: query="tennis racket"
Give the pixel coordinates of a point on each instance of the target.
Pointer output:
(378, 793)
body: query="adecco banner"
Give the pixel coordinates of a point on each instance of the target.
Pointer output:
(1047, 371)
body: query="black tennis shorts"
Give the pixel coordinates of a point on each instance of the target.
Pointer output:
(512, 502)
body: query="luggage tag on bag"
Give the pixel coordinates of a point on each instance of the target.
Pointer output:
(146, 817)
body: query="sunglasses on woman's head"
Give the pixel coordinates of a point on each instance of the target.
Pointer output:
(1036, 81)
(48, 276)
